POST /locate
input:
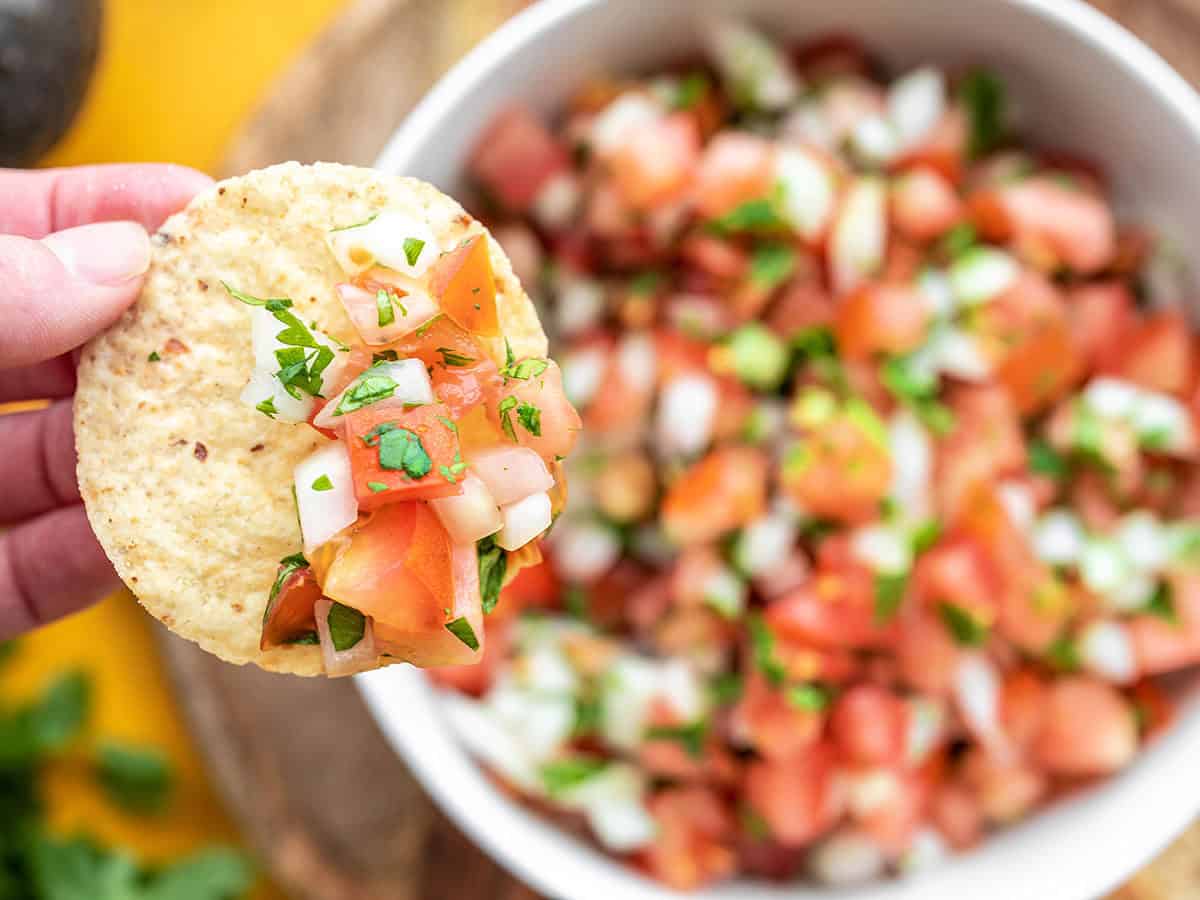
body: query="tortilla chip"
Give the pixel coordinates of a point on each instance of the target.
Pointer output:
(189, 490)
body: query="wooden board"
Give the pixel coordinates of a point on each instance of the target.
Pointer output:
(331, 810)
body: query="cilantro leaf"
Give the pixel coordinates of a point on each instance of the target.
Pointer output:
(376, 486)
(772, 265)
(153, 357)
(963, 627)
(287, 566)
(137, 779)
(493, 564)
(1162, 604)
(366, 390)
(1045, 460)
(322, 483)
(401, 450)
(810, 697)
(763, 644)
(752, 216)
(560, 775)
(462, 630)
(530, 418)
(691, 90)
(383, 306)
(454, 358)
(346, 626)
(889, 594)
(525, 369)
(412, 250)
(506, 406)
(267, 408)
(217, 873)
(690, 736)
(983, 95)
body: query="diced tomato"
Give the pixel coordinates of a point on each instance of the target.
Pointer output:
(766, 720)
(289, 614)
(927, 653)
(465, 289)
(723, 491)
(736, 167)
(656, 163)
(1162, 646)
(1159, 354)
(959, 572)
(1101, 316)
(714, 256)
(986, 443)
(802, 305)
(798, 797)
(516, 156)
(944, 150)
(924, 204)
(957, 815)
(869, 725)
(1041, 369)
(881, 318)
(694, 843)
(399, 567)
(436, 452)
(542, 418)
(1022, 706)
(1039, 214)
(1088, 729)
(835, 608)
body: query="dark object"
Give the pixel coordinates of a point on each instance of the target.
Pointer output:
(47, 54)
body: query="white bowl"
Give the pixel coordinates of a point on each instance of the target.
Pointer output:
(1082, 83)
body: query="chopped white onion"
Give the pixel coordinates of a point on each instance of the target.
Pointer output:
(808, 123)
(927, 850)
(584, 550)
(977, 696)
(871, 790)
(264, 385)
(471, 515)
(916, 103)
(752, 67)
(323, 513)
(912, 464)
(883, 548)
(544, 668)
(1058, 538)
(874, 141)
(412, 387)
(1106, 650)
(935, 288)
(982, 274)
(356, 658)
(580, 305)
(583, 373)
(511, 473)
(1132, 593)
(613, 802)
(631, 685)
(687, 407)
(1163, 423)
(1111, 398)
(765, 544)
(391, 238)
(846, 858)
(629, 113)
(859, 238)
(557, 201)
(523, 521)
(725, 592)
(410, 303)
(541, 722)
(1103, 565)
(807, 191)
(956, 352)
(1017, 499)
(637, 361)
(1144, 540)
(486, 738)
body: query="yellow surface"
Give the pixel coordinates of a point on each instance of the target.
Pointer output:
(175, 81)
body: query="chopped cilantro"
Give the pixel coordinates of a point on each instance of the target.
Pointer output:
(759, 358)
(308, 638)
(963, 627)
(645, 283)
(383, 304)
(376, 486)
(815, 342)
(889, 594)
(958, 240)
(448, 423)
(1162, 604)
(493, 564)
(401, 450)
(422, 329)
(691, 736)
(287, 566)
(1045, 460)
(453, 358)
(763, 643)
(926, 535)
(810, 697)
(983, 95)
(726, 688)
(346, 626)
(560, 775)
(367, 221)
(752, 216)
(153, 357)
(366, 390)
(384, 356)
(462, 630)
(1063, 654)
(525, 369)
(135, 778)
(267, 408)
(253, 301)
(772, 264)
(577, 601)
(322, 484)
(530, 418)
(691, 90)
(412, 250)
(505, 408)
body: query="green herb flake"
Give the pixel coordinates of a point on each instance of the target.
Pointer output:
(384, 356)
(322, 484)
(1063, 654)
(267, 408)
(525, 369)
(493, 565)
(137, 779)
(958, 240)
(530, 418)
(983, 95)
(809, 697)
(346, 626)
(153, 357)
(367, 221)
(691, 91)
(646, 284)
(383, 304)
(889, 594)
(376, 486)
(454, 358)
(1045, 460)
(462, 630)
(925, 536)
(449, 423)
(763, 644)
(561, 775)
(577, 601)
(1162, 604)
(771, 265)
(308, 638)
(726, 688)
(412, 249)
(963, 627)
(366, 390)
(505, 408)
(254, 301)
(691, 736)
(401, 450)
(287, 566)
(752, 216)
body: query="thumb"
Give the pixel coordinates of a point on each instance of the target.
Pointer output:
(58, 292)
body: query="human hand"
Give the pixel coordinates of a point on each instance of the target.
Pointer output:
(73, 253)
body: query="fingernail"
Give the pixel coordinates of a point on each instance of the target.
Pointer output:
(106, 253)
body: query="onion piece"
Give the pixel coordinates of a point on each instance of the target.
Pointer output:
(583, 373)
(859, 237)
(808, 191)
(916, 103)
(579, 306)
(324, 511)
(471, 515)
(412, 387)
(511, 473)
(263, 386)
(755, 72)
(523, 521)
(584, 550)
(359, 657)
(557, 201)
(401, 242)
(687, 407)
(408, 305)
(1106, 649)
(845, 858)
(982, 274)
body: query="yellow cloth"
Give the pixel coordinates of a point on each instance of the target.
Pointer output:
(175, 81)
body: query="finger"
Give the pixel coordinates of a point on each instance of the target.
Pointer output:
(39, 203)
(47, 380)
(58, 292)
(37, 465)
(50, 567)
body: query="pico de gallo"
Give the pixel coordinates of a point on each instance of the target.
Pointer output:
(887, 511)
(442, 464)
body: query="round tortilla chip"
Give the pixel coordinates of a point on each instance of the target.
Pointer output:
(188, 489)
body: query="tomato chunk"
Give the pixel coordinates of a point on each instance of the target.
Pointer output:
(723, 491)
(881, 318)
(517, 156)
(399, 455)
(289, 614)
(462, 282)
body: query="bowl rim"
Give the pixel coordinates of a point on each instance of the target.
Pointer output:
(400, 695)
